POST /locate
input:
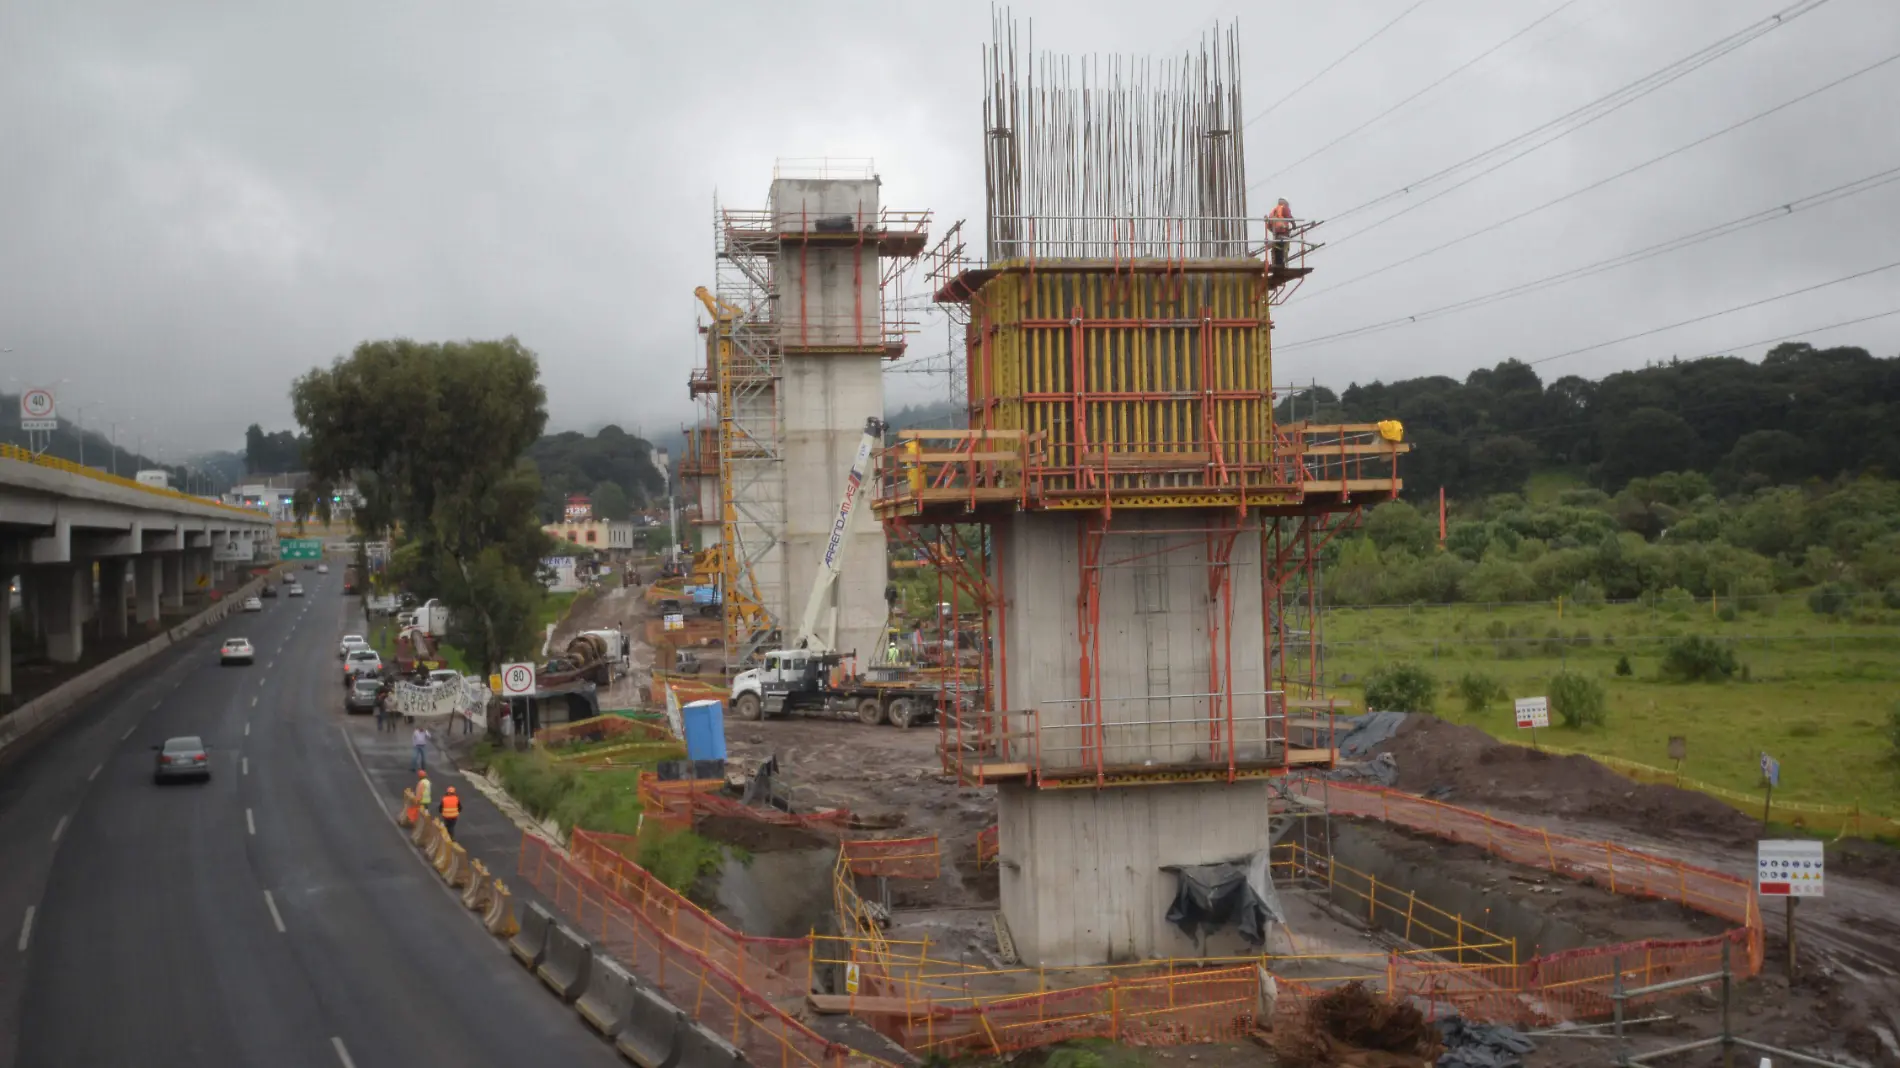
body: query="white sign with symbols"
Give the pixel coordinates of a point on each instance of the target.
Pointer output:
(235, 547)
(1532, 712)
(675, 621)
(1789, 868)
(37, 410)
(517, 680)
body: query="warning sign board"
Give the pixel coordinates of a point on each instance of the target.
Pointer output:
(1789, 868)
(517, 680)
(675, 621)
(38, 410)
(1532, 712)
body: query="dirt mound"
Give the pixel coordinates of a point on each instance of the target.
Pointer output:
(1464, 765)
(1352, 1019)
(1865, 859)
(758, 836)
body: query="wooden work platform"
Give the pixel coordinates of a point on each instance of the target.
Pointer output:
(1143, 775)
(1334, 495)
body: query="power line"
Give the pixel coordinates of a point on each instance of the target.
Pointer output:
(1460, 69)
(1752, 219)
(1603, 106)
(1716, 314)
(1573, 194)
(1730, 350)
(1329, 67)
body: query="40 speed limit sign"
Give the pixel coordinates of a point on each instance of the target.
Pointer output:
(517, 680)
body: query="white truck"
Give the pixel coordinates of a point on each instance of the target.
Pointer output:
(806, 678)
(156, 476)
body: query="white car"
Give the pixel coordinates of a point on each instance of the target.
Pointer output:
(253, 604)
(294, 591)
(349, 642)
(361, 661)
(323, 569)
(236, 651)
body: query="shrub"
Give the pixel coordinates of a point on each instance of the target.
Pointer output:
(1808, 729)
(1586, 593)
(1726, 614)
(1479, 691)
(1496, 630)
(1578, 700)
(1830, 599)
(1623, 665)
(1676, 599)
(679, 858)
(1401, 688)
(1891, 595)
(1698, 659)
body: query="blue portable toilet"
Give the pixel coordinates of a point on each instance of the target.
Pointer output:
(705, 723)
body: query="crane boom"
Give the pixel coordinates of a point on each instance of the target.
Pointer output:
(832, 564)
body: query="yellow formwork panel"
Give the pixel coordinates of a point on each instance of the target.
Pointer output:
(1129, 380)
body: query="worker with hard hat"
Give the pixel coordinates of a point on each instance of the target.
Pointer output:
(451, 810)
(1280, 225)
(422, 790)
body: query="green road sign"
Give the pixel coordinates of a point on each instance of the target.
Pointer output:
(301, 548)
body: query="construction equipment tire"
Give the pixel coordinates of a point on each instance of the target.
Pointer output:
(903, 712)
(870, 712)
(747, 706)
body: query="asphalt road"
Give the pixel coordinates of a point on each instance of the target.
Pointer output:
(272, 916)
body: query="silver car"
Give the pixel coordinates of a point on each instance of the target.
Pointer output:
(182, 758)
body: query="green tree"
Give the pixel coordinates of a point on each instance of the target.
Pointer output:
(1397, 525)
(1401, 688)
(433, 436)
(610, 501)
(1698, 659)
(1578, 700)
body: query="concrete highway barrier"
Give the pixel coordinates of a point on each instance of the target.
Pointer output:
(458, 871)
(475, 897)
(609, 997)
(500, 916)
(439, 848)
(409, 808)
(650, 1035)
(530, 943)
(420, 835)
(567, 963)
(700, 1048)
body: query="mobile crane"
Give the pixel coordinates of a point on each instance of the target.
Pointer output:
(801, 678)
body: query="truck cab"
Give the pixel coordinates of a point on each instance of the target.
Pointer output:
(788, 680)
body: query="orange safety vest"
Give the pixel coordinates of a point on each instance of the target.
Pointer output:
(1284, 214)
(451, 806)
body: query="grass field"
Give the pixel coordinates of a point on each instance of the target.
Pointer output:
(1813, 692)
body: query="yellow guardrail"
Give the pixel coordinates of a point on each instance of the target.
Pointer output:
(1841, 819)
(14, 452)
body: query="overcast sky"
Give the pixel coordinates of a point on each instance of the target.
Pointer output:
(199, 201)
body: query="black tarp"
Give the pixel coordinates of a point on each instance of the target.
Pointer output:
(1236, 892)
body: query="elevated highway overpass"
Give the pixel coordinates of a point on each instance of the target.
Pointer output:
(86, 545)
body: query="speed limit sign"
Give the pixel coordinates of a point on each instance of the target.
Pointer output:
(517, 680)
(37, 410)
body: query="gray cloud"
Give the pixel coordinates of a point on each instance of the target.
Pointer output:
(199, 201)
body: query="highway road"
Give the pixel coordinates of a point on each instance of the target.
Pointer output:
(273, 916)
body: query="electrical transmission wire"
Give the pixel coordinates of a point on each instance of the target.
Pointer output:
(1573, 194)
(1270, 108)
(1730, 350)
(1710, 233)
(1602, 107)
(1460, 69)
(1716, 314)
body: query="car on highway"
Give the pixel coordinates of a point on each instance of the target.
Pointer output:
(186, 757)
(309, 565)
(323, 569)
(361, 696)
(236, 651)
(294, 591)
(445, 675)
(350, 642)
(269, 591)
(360, 661)
(252, 604)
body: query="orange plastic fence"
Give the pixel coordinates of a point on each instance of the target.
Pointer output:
(989, 845)
(679, 803)
(898, 858)
(775, 967)
(694, 982)
(600, 729)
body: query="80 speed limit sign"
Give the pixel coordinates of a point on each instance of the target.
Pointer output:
(517, 680)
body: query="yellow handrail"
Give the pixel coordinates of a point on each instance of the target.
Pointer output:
(14, 452)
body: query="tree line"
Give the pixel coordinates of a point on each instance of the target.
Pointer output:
(1799, 413)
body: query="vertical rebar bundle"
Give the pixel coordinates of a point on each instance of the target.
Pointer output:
(1119, 157)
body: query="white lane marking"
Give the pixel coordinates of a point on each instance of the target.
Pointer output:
(341, 1053)
(156, 705)
(247, 728)
(270, 665)
(276, 917)
(246, 763)
(128, 732)
(260, 682)
(26, 927)
(249, 822)
(60, 827)
(95, 772)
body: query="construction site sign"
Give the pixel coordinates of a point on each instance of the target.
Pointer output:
(675, 621)
(1789, 868)
(1532, 712)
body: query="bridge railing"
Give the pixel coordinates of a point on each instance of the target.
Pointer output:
(14, 452)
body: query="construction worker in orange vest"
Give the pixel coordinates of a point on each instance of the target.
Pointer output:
(1280, 224)
(451, 810)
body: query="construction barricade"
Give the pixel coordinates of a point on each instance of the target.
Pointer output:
(458, 872)
(897, 858)
(723, 1003)
(651, 1035)
(566, 964)
(530, 942)
(989, 846)
(774, 966)
(475, 893)
(609, 997)
(410, 808)
(678, 803)
(498, 914)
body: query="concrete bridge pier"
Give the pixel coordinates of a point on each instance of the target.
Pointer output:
(148, 579)
(62, 611)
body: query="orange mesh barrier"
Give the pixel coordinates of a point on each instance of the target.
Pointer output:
(601, 729)
(714, 997)
(988, 846)
(679, 803)
(898, 858)
(774, 966)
